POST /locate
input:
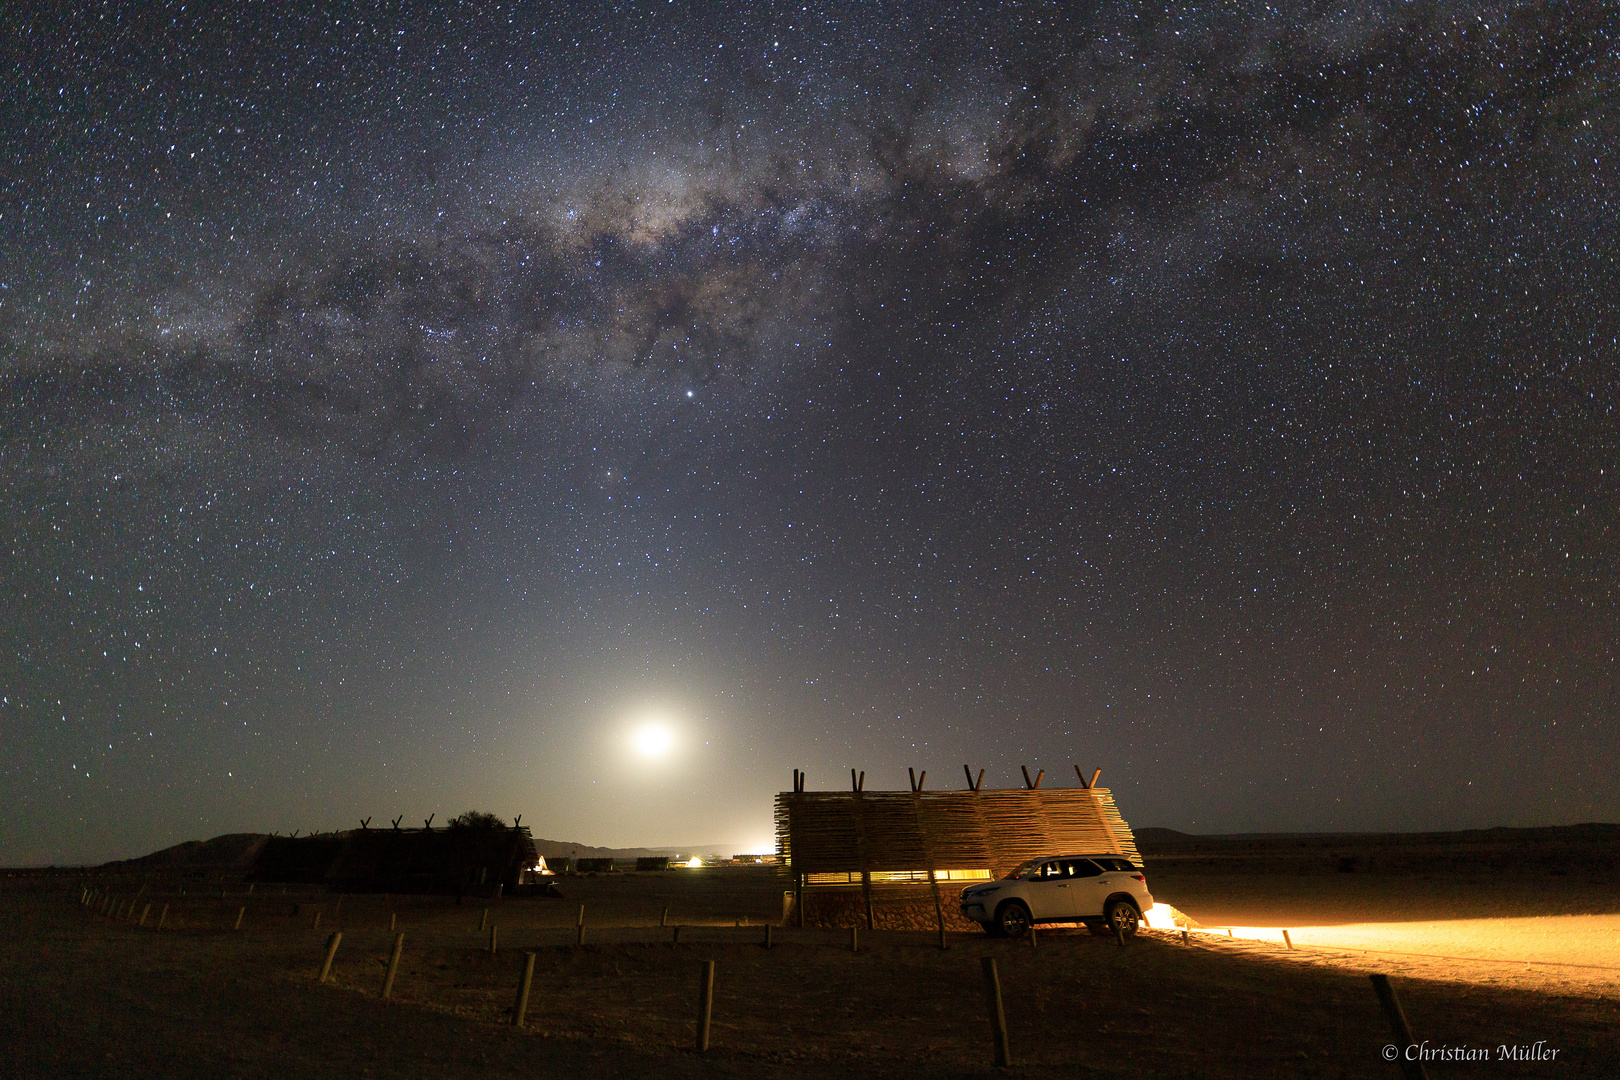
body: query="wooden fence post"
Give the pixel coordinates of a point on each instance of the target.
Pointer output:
(1410, 1068)
(331, 954)
(998, 1015)
(705, 1006)
(393, 966)
(521, 1008)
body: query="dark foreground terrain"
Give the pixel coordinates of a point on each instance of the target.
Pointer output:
(88, 994)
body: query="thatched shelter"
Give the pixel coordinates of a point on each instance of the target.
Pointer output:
(896, 838)
(426, 860)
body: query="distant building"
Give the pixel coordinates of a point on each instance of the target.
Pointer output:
(652, 862)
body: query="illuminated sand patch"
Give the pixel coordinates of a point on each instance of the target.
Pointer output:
(1563, 953)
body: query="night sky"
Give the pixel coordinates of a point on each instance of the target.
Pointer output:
(400, 406)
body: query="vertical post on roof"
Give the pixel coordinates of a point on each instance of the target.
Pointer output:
(1081, 776)
(1027, 785)
(1096, 773)
(1038, 775)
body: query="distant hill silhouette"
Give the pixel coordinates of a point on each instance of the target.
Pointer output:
(238, 850)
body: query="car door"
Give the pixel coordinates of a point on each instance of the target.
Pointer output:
(1049, 890)
(1087, 887)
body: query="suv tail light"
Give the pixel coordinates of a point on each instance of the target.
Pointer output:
(1140, 877)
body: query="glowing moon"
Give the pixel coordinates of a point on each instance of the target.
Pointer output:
(653, 741)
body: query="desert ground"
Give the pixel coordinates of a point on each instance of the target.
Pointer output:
(1483, 954)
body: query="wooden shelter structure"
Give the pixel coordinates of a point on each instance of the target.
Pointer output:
(426, 860)
(845, 838)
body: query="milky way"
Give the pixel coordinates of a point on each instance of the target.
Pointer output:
(398, 403)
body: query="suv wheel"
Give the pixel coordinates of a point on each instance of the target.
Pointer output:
(1123, 917)
(1012, 919)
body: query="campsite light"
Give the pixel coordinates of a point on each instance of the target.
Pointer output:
(693, 862)
(1160, 917)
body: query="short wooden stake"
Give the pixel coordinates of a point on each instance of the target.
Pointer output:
(493, 930)
(705, 1006)
(767, 935)
(483, 921)
(579, 927)
(1288, 940)
(521, 1008)
(663, 920)
(393, 966)
(145, 911)
(162, 916)
(391, 920)
(242, 911)
(1184, 935)
(336, 908)
(1119, 935)
(1228, 931)
(317, 924)
(331, 954)
(675, 936)
(854, 939)
(1411, 1069)
(1034, 936)
(998, 1015)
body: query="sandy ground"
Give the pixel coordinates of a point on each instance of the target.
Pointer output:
(88, 995)
(1565, 955)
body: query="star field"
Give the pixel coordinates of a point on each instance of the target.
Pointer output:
(398, 403)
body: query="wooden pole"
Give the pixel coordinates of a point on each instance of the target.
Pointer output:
(998, 1016)
(1288, 940)
(393, 966)
(242, 911)
(392, 916)
(144, 912)
(483, 921)
(1184, 935)
(492, 939)
(1034, 937)
(317, 923)
(521, 1008)
(1119, 935)
(162, 916)
(854, 939)
(1410, 1068)
(331, 953)
(663, 919)
(768, 935)
(705, 1006)
(674, 936)
(580, 926)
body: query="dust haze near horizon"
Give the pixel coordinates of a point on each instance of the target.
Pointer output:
(400, 408)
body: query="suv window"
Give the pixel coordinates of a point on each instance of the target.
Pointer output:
(1116, 864)
(1076, 868)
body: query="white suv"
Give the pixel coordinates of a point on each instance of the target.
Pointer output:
(1105, 892)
